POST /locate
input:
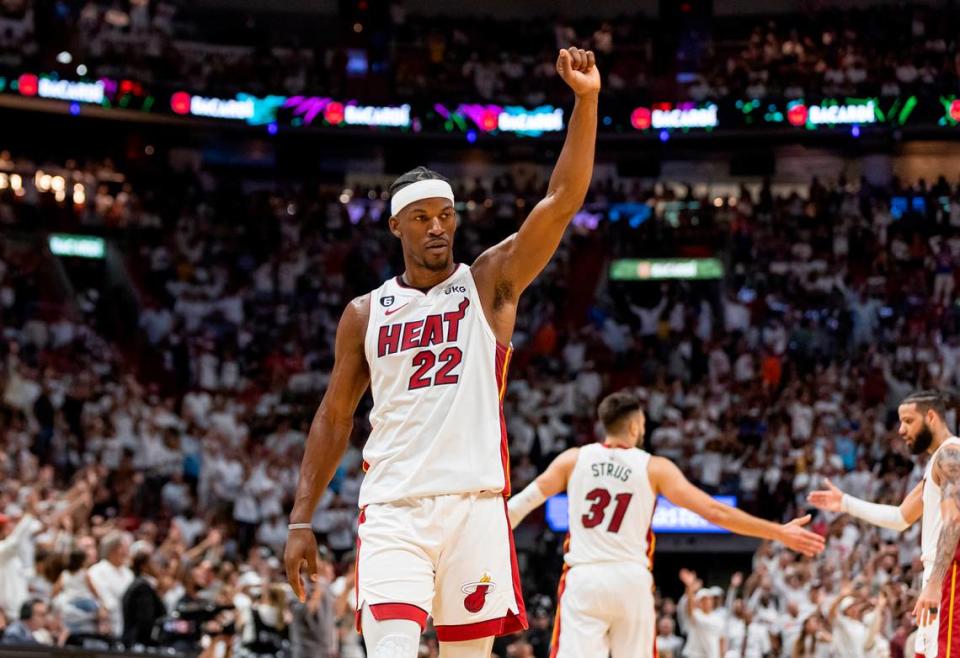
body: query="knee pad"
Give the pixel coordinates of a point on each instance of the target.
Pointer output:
(396, 646)
(390, 638)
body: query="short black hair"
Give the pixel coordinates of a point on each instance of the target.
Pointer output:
(26, 610)
(927, 400)
(140, 562)
(76, 560)
(414, 175)
(615, 409)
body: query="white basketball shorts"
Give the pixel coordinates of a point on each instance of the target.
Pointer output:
(605, 609)
(451, 557)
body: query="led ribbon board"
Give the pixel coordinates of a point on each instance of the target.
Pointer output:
(79, 246)
(29, 84)
(667, 116)
(631, 269)
(511, 118)
(334, 113)
(667, 517)
(832, 113)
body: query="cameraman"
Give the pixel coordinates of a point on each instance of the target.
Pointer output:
(262, 629)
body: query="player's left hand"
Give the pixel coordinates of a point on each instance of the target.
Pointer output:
(928, 605)
(578, 68)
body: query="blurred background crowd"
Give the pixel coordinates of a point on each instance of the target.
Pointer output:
(177, 438)
(154, 404)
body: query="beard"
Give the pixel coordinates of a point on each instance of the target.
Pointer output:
(439, 265)
(924, 438)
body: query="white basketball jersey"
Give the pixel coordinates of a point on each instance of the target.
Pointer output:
(437, 375)
(932, 521)
(611, 507)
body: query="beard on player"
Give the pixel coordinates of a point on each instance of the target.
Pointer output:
(436, 256)
(921, 442)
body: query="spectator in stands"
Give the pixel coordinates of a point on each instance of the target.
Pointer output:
(74, 597)
(17, 535)
(141, 604)
(110, 578)
(263, 628)
(669, 643)
(31, 621)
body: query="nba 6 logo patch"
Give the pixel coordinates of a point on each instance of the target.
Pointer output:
(387, 301)
(477, 593)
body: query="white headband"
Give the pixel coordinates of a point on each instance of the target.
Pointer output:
(422, 189)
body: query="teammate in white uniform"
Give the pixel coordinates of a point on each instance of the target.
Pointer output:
(923, 427)
(605, 600)
(433, 345)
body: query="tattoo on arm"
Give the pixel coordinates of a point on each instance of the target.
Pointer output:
(948, 464)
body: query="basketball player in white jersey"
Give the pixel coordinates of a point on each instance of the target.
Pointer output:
(936, 498)
(605, 599)
(434, 345)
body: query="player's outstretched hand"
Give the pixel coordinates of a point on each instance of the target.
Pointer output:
(301, 549)
(795, 537)
(826, 499)
(578, 68)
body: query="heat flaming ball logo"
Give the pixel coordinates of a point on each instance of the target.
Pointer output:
(477, 593)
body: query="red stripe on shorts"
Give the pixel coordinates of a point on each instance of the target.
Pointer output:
(948, 633)
(555, 638)
(356, 571)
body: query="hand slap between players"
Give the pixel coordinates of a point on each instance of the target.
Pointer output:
(829, 499)
(578, 68)
(795, 537)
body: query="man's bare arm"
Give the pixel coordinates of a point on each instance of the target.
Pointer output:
(947, 467)
(333, 422)
(506, 269)
(911, 509)
(897, 518)
(551, 482)
(667, 479)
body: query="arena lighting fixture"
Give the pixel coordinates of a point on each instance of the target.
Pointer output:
(78, 246)
(64, 57)
(82, 69)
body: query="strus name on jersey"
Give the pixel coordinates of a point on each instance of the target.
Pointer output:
(610, 469)
(435, 329)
